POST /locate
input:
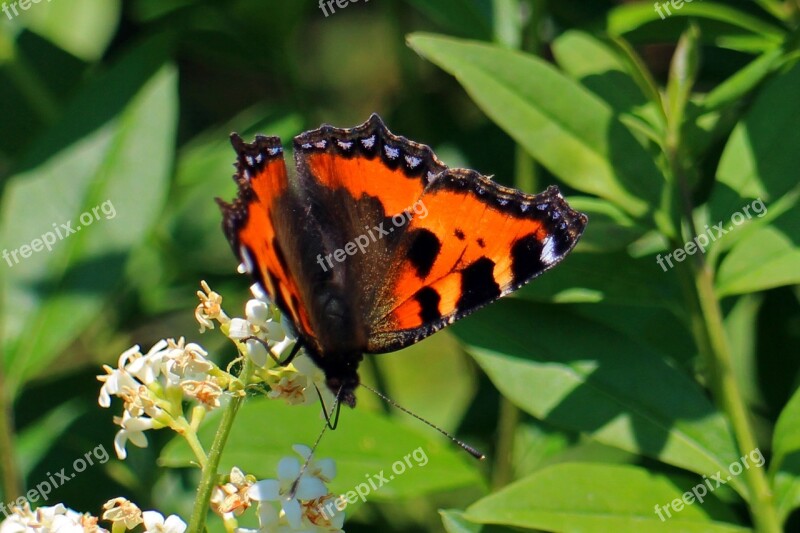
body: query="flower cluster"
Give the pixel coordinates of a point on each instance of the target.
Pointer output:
(45, 519)
(154, 387)
(289, 503)
(123, 514)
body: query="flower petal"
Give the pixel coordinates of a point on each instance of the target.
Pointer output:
(266, 490)
(293, 512)
(310, 488)
(288, 469)
(152, 520)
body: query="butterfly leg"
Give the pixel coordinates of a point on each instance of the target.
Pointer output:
(337, 406)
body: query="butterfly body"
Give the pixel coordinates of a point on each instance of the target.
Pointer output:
(375, 244)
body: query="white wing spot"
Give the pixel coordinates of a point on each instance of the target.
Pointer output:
(391, 153)
(247, 261)
(503, 201)
(249, 159)
(549, 251)
(369, 142)
(412, 161)
(524, 207)
(321, 144)
(306, 146)
(345, 145)
(274, 151)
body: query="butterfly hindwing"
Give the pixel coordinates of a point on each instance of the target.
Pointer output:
(479, 241)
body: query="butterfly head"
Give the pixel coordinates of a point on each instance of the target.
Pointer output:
(341, 376)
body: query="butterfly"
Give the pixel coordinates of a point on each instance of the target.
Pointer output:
(374, 244)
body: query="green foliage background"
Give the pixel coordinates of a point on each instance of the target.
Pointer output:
(603, 389)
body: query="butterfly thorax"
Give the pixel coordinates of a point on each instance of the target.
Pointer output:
(343, 340)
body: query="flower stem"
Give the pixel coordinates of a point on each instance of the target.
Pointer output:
(188, 432)
(8, 466)
(209, 476)
(729, 396)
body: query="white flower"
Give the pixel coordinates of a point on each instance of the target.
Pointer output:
(118, 379)
(122, 511)
(239, 329)
(154, 522)
(209, 308)
(56, 519)
(186, 361)
(257, 352)
(258, 312)
(231, 498)
(278, 490)
(291, 387)
(259, 294)
(147, 368)
(207, 393)
(324, 469)
(133, 429)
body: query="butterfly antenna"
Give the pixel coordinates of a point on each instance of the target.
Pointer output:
(336, 406)
(464, 446)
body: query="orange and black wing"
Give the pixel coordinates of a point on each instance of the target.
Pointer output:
(361, 185)
(439, 243)
(260, 226)
(479, 241)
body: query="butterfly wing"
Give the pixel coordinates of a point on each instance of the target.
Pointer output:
(262, 228)
(452, 240)
(360, 184)
(478, 241)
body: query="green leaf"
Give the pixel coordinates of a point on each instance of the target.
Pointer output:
(591, 151)
(82, 27)
(721, 108)
(599, 498)
(767, 257)
(599, 68)
(108, 161)
(785, 466)
(203, 164)
(662, 329)
(454, 522)
(761, 158)
(460, 17)
(724, 25)
(741, 326)
(411, 388)
(786, 439)
(616, 390)
(584, 277)
(611, 229)
(365, 445)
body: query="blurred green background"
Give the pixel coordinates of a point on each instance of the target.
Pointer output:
(599, 363)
